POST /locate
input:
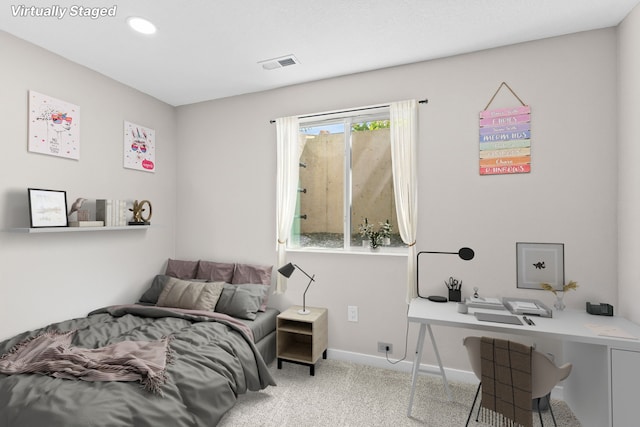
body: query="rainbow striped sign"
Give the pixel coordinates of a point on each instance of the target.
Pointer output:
(505, 141)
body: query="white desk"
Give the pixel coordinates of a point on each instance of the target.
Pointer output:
(604, 367)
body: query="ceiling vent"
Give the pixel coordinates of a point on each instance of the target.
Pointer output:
(283, 61)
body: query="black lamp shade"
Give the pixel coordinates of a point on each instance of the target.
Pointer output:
(287, 270)
(466, 254)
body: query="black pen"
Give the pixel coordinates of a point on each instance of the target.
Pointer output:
(529, 321)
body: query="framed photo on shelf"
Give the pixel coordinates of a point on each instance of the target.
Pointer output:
(47, 208)
(539, 263)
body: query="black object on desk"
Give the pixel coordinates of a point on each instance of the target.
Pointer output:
(455, 295)
(437, 298)
(601, 309)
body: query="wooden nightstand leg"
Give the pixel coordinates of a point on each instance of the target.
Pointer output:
(279, 363)
(312, 370)
(324, 354)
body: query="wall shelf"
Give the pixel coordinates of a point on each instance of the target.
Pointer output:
(75, 229)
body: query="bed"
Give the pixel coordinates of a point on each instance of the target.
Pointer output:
(190, 360)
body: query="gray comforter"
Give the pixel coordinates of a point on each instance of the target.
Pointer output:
(214, 362)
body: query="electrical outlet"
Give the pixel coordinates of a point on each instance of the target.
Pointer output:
(352, 313)
(385, 347)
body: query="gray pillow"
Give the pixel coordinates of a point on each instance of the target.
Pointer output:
(152, 294)
(190, 295)
(242, 301)
(254, 274)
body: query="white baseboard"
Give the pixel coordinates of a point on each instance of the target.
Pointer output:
(455, 375)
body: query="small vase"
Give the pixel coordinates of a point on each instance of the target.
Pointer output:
(559, 304)
(374, 243)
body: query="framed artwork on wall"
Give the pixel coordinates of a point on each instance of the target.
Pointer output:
(54, 126)
(539, 263)
(47, 208)
(139, 147)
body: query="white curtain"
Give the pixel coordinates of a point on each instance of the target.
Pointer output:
(404, 164)
(288, 167)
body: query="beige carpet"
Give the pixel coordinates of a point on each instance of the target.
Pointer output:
(346, 394)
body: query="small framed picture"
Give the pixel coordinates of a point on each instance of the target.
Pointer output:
(539, 263)
(47, 208)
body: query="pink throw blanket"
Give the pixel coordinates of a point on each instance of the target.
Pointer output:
(51, 353)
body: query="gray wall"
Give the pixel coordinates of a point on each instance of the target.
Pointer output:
(227, 175)
(55, 276)
(214, 189)
(628, 171)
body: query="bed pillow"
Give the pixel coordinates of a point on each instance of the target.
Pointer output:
(215, 271)
(181, 269)
(190, 295)
(247, 273)
(254, 274)
(152, 294)
(242, 301)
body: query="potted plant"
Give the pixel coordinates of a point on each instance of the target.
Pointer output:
(374, 238)
(385, 232)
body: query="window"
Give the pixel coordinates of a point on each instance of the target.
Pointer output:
(345, 179)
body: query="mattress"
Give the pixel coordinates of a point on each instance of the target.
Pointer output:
(264, 332)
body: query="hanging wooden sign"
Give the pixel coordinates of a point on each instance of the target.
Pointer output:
(505, 139)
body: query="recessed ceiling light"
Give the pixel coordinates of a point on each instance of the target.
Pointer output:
(141, 25)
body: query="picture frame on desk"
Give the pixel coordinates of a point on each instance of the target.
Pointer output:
(539, 263)
(47, 208)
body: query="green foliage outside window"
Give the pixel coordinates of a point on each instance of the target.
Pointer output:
(375, 125)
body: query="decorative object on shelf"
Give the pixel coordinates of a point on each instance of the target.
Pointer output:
(47, 208)
(540, 263)
(375, 237)
(54, 126)
(75, 207)
(139, 147)
(83, 215)
(138, 209)
(287, 271)
(505, 138)
(465, 253)
(559, 293)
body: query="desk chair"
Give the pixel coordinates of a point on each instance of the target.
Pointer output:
(545, 375)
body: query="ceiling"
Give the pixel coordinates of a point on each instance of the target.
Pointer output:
(209, 49)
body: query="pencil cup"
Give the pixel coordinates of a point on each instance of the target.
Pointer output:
(455, 295)
(462, 308)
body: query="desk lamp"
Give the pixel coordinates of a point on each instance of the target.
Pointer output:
(465, 253)
(287, 271)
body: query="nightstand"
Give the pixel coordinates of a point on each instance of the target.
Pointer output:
(302, 338)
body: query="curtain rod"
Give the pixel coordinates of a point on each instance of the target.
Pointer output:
(424, 101)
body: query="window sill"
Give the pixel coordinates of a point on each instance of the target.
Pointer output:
(384, 251)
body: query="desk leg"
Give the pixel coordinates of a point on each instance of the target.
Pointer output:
(416, 365)
(444, 377)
